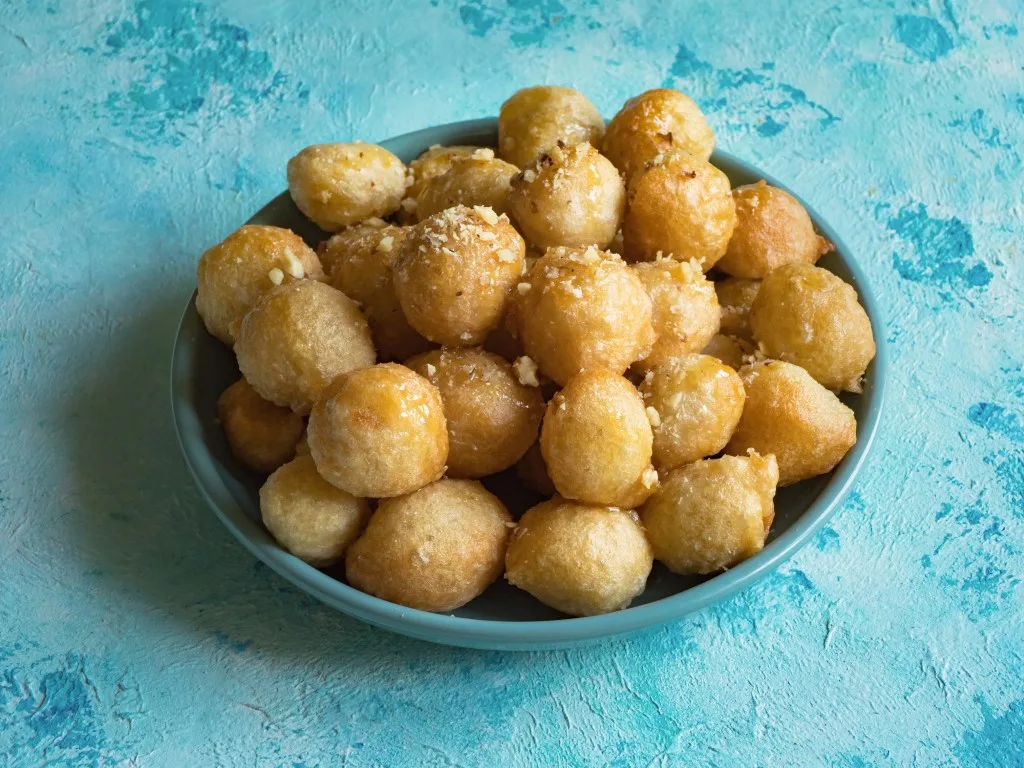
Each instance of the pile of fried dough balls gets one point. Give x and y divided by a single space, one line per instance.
544 308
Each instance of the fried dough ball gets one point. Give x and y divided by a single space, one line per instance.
699 401
596 438
735 295
772 229
236 272
336 185
308 516
492 418
583 309
379 432
480 179
806 315
297 338
686 313
730 350
534 120
712 514
261 435
569 196
789 414
436 161
679 206
579 559
655 122
454 274
533 472
435 549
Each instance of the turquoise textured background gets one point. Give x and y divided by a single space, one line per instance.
135 632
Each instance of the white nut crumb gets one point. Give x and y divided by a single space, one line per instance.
649 478
653 416
677 398
526 371
294 266
484 153
529 176
486 213
385 244
487 236
523 288
276 276
431 369
506 255
409 204
465 335
649 377
510 524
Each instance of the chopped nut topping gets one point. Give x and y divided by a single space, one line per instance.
409 204
386 243
486 213
526 371
431 369
484 153
276 276
529 176
487 236
653 416
649 478
523 288
506 255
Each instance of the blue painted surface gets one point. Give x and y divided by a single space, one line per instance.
134 631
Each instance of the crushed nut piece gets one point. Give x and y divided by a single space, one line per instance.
526 371
649 478
486 213
386 243
653 416
484 153
523 288
506 255
276 276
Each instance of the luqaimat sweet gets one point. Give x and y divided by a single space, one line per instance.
261 435
534 120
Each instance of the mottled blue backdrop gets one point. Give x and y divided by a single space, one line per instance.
135 632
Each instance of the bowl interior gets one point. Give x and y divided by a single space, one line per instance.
203 368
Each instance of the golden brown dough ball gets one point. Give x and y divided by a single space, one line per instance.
480 179
730 350
570 196
533 472
653 123
735 295
454 274
712 514
492 418
379 432
698 400
679 206
337 185
308 516
806 315
772 229
686 313
435 549
536 119
596 438
297 338
236 272
261 435
434 162
579 559
582 309
789 414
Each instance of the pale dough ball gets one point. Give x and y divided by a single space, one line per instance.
435 549
492 418
454 274
336 185
583 309
570 196
596 438
790 415
699 401
735 297
308 516
475 180
379 432
653 123
806 315
261 435
536 119
297 338
434 162
730 350
250 262
685 306
579 559
681 207
772 230
712 514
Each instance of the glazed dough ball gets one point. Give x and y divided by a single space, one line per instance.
533 472
536 119
772 230
789 414
712 514
261 435
730 350
570 196
379 432
596 438
806 315
679 206
435 549
583 309
298 338
454 273
480 179
698 400
579 559
336 185
735 296
435 162
655 122
492 418
235 273
686 313
308 516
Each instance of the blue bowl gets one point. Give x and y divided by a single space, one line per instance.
503 617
